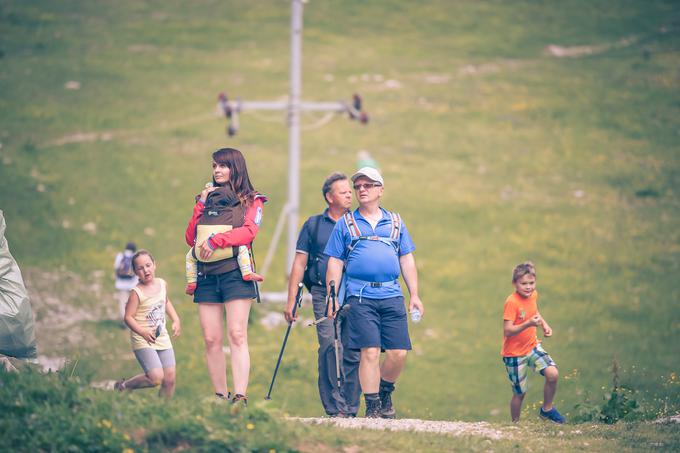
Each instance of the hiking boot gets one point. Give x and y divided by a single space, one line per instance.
253 277
119 385
386 389
239 400
373 408
552 415
220 396
386 408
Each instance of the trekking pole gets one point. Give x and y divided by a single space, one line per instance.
298 303
328 301
323 318
336 342
257 287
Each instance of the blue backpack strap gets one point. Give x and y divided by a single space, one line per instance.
352 228
396 226
356 236
350 221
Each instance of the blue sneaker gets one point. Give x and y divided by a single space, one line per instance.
552 415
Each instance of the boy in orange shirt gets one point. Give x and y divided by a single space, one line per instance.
521 348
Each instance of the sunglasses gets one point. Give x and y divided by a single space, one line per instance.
367 185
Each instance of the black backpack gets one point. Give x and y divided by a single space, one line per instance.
311 275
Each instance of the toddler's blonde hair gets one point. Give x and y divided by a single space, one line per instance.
523 269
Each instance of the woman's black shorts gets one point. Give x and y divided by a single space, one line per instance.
223 288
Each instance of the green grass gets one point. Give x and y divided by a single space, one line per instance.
513 155
60 412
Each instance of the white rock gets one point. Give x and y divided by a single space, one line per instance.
273 319
103 385
90 227
437 78
51 363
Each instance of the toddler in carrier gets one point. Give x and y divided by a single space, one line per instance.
243 257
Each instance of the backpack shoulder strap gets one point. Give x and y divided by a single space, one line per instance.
396 226
313 234
352 227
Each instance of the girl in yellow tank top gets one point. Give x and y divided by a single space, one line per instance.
150 316
145 316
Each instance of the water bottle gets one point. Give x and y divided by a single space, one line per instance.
415 315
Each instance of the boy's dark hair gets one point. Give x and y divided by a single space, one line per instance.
523 269
131 247
332 178
138 254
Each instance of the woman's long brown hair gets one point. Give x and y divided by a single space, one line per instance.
238 173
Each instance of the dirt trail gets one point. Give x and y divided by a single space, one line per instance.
481 429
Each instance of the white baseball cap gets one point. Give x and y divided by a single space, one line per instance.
370 173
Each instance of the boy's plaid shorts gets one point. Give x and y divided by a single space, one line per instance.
518 367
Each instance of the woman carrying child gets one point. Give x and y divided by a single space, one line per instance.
216 230
145 316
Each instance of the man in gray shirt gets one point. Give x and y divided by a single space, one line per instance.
309 266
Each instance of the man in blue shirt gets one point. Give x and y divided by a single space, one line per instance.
373 254
309 255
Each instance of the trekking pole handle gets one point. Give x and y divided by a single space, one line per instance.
298 298
332 295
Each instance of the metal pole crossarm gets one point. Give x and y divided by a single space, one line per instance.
339 107
242 106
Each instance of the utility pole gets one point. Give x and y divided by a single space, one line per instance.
293 106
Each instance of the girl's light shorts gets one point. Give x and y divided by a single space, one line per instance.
150 358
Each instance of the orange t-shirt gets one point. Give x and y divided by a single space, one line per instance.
518 309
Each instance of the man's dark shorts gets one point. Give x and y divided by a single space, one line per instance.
379 323
223 288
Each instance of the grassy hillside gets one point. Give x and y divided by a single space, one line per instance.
494 151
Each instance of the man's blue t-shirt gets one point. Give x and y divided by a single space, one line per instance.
370 261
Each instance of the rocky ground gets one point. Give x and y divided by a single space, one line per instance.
481 429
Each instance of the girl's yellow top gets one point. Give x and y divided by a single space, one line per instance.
151 315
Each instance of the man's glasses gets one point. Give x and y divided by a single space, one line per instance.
367 185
